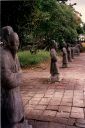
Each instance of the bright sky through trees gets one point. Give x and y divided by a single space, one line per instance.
80 7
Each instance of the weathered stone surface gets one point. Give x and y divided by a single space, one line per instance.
71 121
41 125
71 127
52 107
77 113
12 110
41 107
56 125
66 98
65 109
63 114
61 120
49 113
80 123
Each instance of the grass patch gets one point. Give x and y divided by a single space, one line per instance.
28 59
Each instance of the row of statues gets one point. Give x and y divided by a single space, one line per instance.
68 53
12 112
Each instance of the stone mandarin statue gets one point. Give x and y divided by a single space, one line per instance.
54 70
12 113
69 52
65 56
72 51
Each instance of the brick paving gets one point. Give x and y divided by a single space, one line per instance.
56 105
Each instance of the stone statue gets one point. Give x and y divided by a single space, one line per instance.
65 56
12 113
69 53
80 46
77 50
72 51
54 70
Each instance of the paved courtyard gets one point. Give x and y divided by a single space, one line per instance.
57 105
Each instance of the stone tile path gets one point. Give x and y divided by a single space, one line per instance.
57 105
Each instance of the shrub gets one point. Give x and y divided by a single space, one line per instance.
28 59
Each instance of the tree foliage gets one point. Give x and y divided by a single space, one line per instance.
84 27
55 20
38 20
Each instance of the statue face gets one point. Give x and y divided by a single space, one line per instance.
54 44
14 42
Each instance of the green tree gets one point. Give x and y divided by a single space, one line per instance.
54 20
38 20
84 27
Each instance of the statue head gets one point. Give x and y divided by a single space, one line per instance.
6 31
68 45
10 38
13 42
64 44
54 44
